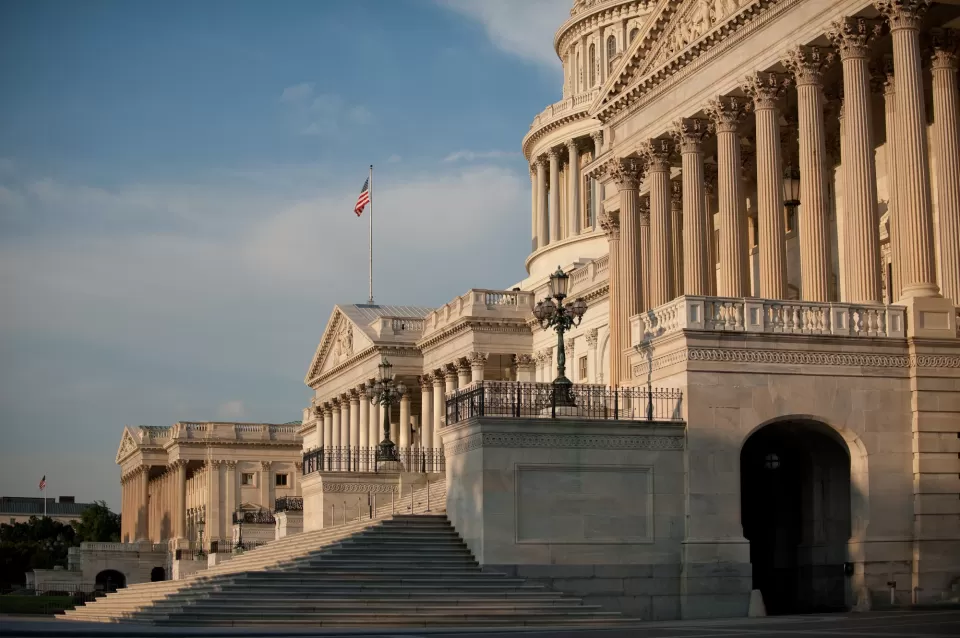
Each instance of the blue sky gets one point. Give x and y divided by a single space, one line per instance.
176 191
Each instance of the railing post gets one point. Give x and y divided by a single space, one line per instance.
616 407
482 398
519 391
553 401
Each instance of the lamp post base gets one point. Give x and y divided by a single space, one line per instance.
563 392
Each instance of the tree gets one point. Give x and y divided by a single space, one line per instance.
98 524
40 543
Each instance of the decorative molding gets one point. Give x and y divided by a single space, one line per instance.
360 488
565 441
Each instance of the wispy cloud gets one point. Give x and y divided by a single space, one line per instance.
393 159
323 113
524 29
472 156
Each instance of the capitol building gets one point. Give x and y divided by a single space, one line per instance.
755 205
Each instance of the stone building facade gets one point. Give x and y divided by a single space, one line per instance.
759 201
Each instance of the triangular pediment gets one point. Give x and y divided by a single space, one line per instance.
341 340
128 444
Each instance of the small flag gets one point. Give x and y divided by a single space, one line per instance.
43 482
364 198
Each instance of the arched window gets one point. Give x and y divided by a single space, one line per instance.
593 65
634 32
611 51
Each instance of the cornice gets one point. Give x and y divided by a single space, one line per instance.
501 326
565 441
576 114
399 350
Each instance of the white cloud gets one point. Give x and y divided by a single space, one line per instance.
297 93
232 411
472 156
525 29
321 114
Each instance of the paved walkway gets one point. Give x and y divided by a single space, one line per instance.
888 624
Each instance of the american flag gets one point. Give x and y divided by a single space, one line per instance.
43 482
363 199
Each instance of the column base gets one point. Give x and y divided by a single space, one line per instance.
930 317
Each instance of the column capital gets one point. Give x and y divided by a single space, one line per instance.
478 358
438 376
265 465
425 381
807 63
766 88
597 137
643 210
450 370
946 48
553 153
355 394
626 172
361 390
334 404
176 465
592 337
231 465
676 195
540 162
462 364
214 463
610 223
854 37
327 408
569 343
573 145
524 361
298 465
689 133
903 14
727 112
657 154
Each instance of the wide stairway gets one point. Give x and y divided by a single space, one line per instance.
403 570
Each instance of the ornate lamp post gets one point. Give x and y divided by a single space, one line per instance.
386 392
560 317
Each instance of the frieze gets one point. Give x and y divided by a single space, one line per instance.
565 441
360 488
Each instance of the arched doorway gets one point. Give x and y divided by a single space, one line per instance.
110 580
795 511
157 574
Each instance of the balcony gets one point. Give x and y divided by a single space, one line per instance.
479 303
191 430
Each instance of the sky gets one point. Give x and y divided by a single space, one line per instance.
177 182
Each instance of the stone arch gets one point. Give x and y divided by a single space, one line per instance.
110 580
157 574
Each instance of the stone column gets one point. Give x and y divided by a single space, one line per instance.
734 278
266 478
807 65
657 154
861 228
890 154
477 362
362 411
439 406
143 518
181 499
946 134
426 409
345 440
231 498
627 173
695 244
327 440
554 156
525 367
767 89
571 364
451 376
573 206
543 220
404 433
676 236
643 208
597 192
592 340
335 440
354 428
534 219
710 179
610 223
214 528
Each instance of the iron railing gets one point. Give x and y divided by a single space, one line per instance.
364 459
547 401
257 516
288 504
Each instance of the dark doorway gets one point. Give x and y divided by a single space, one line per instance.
110 580
157 574
795 511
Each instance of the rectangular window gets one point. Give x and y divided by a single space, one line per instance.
588 203
281 480
583 368
246 478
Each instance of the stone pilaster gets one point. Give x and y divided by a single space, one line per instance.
767 89
554 156
610 223
426 410
543 219
946 134
853 38
573 201
592 339
477 362
733 279
695 246
657 153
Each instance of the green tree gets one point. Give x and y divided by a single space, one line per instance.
39 543
98 524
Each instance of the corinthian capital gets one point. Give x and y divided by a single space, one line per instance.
946 48
727 112
523 361
657 153
592 337
426 382
610 223
626 172
597 137
689 134
853 37
808 64
903 14
766 89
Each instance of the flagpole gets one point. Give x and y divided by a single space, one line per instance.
44 495
371 235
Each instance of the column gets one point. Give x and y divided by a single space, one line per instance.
657 155
807 65
335 440
478 360
214 530
297 478
534 220
426 406
345 421
439 407
569 352
610 223
733 279
266 478
181 499
573 206
676 236
592 338
124 511
543 219
890 153
363 417
861 228
231 500
525 368
710 179
767 89
549 367
450 376
143 527
643 210
355 427
327 440
597 191
554 156
946 135
697 269
403 440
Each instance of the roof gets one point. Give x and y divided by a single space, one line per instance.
363 314
27 506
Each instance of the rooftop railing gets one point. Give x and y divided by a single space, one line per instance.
480 303
364 459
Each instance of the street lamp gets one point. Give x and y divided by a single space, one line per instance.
200 527
386 392
560 317
791 194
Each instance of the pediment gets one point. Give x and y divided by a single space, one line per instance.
341 340
128 444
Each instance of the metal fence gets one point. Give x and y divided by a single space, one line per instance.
257 516
288 504
364 459
547 401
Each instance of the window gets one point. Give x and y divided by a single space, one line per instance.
579 83
246 478
281 480
583 368
634 32
593 65
588 201
611 52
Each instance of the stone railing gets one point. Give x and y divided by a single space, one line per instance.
590 274
142 546
727 314
236 431
480 303
403 327
564 107
154 433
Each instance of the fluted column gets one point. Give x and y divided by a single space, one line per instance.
689 134
890 151
355 399
404 434
143 516
946 132
345 420
709 198
327 440
597 137
767 89
643 210
734 278
214 514
478 360
335 439
861 229
181 498
439 406
426 410
534 220
266 480
676 236
610 223
657 154
543 220
554 156
573 204
626 173
362 410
